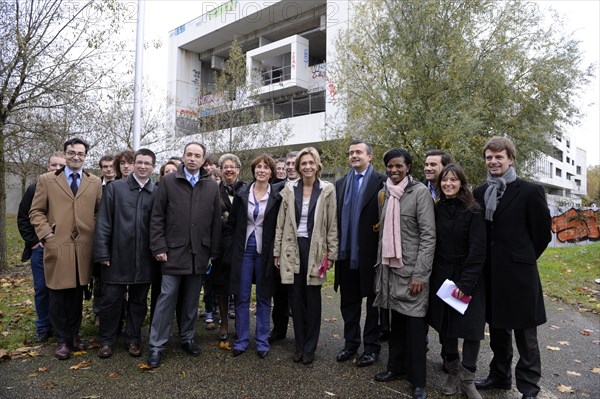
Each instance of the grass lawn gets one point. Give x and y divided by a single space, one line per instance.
567 274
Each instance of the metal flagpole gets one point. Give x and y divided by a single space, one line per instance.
139 60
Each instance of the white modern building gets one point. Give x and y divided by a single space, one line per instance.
564 173
288 45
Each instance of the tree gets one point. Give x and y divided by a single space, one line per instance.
425 74
233 120
593 185
53 53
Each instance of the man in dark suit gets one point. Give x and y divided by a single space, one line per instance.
185 233
281 304
358 215
63 214
34 251
519 223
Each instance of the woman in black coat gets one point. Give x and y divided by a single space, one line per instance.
250 232
459 256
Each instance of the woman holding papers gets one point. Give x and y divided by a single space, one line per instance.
405 258
305 245
459 256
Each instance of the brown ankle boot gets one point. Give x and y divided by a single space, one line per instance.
450 387
466 384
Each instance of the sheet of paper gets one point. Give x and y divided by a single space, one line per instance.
445 294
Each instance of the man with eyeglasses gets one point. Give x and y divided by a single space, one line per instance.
122 248
63 215
34 250
185 234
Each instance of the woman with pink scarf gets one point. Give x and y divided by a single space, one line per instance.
405 257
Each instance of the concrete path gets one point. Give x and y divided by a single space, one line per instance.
569 357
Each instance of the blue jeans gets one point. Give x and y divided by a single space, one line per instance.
42 324
251 265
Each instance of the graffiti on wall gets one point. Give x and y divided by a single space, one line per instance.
319 71
577 225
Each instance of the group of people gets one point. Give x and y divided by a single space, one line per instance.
394 240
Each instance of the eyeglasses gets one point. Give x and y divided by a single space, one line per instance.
140 163
71 154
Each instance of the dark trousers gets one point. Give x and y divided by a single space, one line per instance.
40 291
252 265
280 313
65 309
470 350
407 347
350 306
306 305
529 367
113 299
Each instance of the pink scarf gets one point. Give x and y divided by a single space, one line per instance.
391 240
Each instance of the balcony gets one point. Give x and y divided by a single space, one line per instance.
279 68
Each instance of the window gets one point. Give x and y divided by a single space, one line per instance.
578 171
558 172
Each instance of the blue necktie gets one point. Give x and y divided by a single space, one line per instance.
74 187
193 181
355 188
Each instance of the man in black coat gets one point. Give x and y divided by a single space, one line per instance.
122 249
358 216
518 222
185 234
34 251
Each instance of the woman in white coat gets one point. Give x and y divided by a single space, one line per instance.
305 246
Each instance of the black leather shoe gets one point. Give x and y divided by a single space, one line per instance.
262 354
297 357
154 358
490 383
386 376
367 359
419 393
42 337
308 358
105 352
345 354
190 347
134 349
237 352
62 351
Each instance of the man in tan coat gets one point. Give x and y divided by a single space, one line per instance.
63 215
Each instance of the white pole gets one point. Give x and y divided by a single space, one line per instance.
139 61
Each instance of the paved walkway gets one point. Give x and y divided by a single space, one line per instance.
216 374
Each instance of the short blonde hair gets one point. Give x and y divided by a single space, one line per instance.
312 151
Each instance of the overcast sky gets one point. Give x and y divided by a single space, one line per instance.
581 16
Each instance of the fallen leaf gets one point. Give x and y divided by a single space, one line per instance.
42 369
573 373
596 370
331 320
553 327
81 365
5 333
552 348
144 366
329 393
563 342
577 361
49 385
586 331
79 353
565 389
114 374
337 336
225 345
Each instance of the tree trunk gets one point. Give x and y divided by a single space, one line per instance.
2 200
